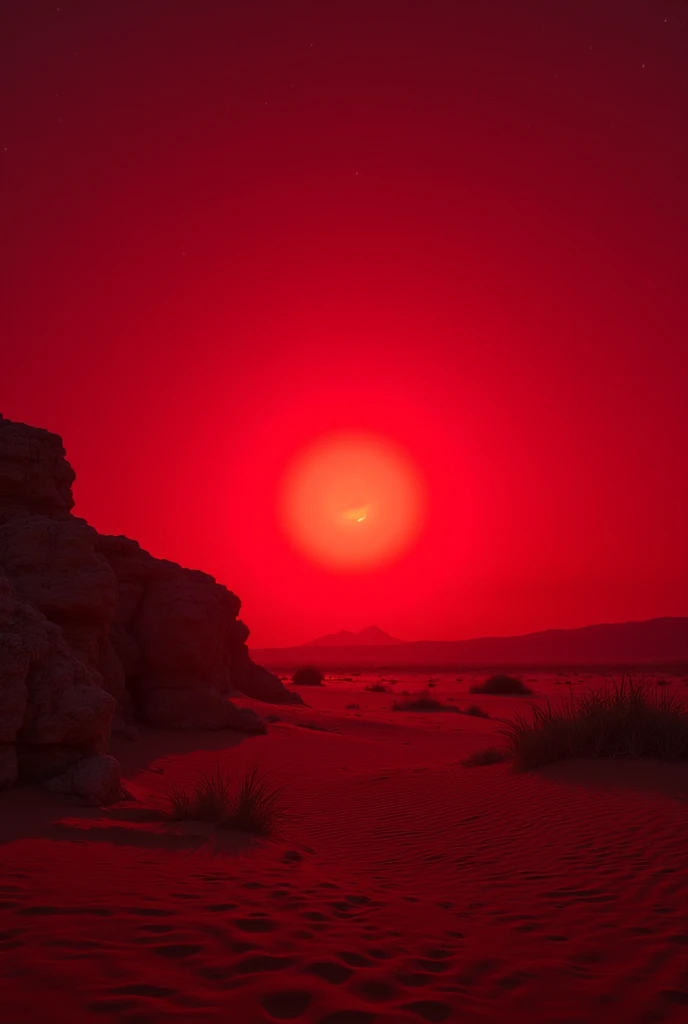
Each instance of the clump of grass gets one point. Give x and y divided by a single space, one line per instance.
629 720
307 675
421 702
377 688
475 711
353 707
256 805
489 755
207 799
251 804
503 685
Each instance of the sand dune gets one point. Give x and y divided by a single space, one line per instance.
404 888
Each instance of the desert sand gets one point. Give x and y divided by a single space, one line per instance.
404 887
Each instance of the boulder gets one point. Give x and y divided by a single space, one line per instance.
53 565
265 686
8 765
96 779
181 627
66 704
37 763
199 709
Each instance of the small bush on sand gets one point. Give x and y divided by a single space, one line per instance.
256 805
207 798
307 675
489 755
421 702
629 720
353 707
377 688
477 712
249 804
508 686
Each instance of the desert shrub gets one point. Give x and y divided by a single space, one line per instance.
421 702
489 755
256 805
377 688
307 675
353 707
206 799
504 685
476 711
249 804
628 720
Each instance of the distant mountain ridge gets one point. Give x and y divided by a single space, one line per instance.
373 636
653 642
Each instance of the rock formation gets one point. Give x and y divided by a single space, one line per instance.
95 632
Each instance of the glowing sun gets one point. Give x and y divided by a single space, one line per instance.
352 501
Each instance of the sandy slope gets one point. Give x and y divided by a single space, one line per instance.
405 888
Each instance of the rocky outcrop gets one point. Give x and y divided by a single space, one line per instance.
34 473
53 708
199 708
94 631
96 779
177 629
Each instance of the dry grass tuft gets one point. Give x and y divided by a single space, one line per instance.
475 711
502 685
421 702
249 804
479 758
629 720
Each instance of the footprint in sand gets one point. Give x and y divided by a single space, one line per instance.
255 924
178 950
354 959
150 991
333 973
430 1010
262 962
150 912
376 990
348 1017
287 1005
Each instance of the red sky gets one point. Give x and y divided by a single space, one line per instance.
235 227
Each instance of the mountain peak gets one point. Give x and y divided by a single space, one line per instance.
372 636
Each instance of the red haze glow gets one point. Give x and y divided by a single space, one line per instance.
352 501
460 229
